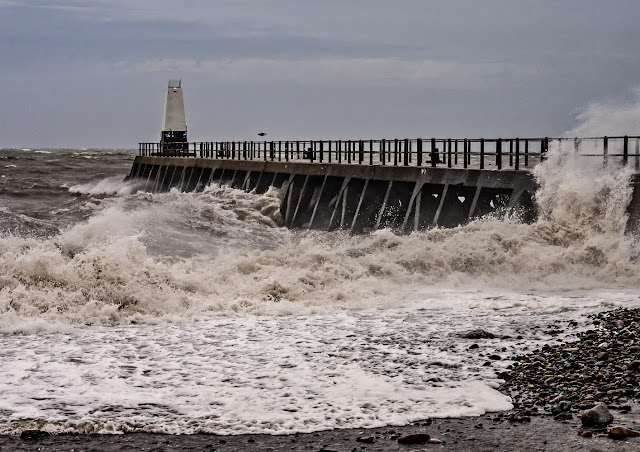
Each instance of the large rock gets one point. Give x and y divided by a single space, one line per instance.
597 416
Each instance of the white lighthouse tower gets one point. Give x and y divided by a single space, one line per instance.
173 140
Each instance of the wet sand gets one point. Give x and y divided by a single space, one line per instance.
485 433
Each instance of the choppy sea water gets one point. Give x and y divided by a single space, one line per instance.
195 312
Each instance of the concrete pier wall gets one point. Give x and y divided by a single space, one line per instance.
352 197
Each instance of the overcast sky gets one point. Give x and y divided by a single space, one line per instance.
94 73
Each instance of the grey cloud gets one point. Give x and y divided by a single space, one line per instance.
309 68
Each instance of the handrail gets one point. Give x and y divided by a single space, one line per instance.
475 153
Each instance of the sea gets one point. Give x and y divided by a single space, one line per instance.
128 311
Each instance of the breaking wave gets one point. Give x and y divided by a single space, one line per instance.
147 258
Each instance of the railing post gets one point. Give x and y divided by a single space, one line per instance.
449 153
361 151
329 150
348 151
406 152
419 152
321 151
499 153
605 152
370 152
510 152
481 153
517 154
526 153
433 152
395 152
455 151
383 146
544 147
637 154
625 150
465 151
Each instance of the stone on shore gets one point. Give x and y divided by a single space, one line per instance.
478 334
416 438
365 439
597 416
618 432
33 434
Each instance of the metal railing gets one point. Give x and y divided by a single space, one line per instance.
477 153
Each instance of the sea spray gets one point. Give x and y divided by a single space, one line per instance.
109 186
609 117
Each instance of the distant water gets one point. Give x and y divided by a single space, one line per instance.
195 312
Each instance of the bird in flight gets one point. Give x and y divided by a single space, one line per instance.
262 134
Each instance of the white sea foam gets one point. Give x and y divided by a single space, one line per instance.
266 374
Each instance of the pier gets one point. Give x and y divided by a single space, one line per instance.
361 185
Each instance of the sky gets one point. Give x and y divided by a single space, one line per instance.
94 73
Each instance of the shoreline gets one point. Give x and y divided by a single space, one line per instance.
550 387
490 432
